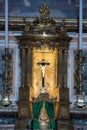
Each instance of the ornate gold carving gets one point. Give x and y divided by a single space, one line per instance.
43 117
44 32
44 38
44 97
44 10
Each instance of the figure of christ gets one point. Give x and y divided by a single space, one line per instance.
43 64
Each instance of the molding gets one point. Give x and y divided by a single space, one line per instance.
18 23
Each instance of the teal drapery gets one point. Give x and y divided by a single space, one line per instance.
36 111
50 110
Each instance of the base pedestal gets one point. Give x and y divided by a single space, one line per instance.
80 101
64 122
64 125
21 124
23 109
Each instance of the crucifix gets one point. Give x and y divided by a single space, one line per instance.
43 64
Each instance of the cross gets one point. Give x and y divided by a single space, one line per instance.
43 64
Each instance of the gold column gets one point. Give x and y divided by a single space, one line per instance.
24 111
65 68
29 66
63 121
60 67
24 61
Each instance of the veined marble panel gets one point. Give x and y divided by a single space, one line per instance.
71 65
16 80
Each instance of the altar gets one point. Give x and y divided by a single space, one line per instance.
43 95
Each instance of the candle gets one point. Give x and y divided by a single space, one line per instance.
80 23
6 23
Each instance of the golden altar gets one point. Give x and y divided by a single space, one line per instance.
44 49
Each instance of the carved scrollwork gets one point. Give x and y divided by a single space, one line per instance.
43 117
44 97
44 32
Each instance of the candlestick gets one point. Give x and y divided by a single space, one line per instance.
6 23
79 60
79 79
80 23
5 97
